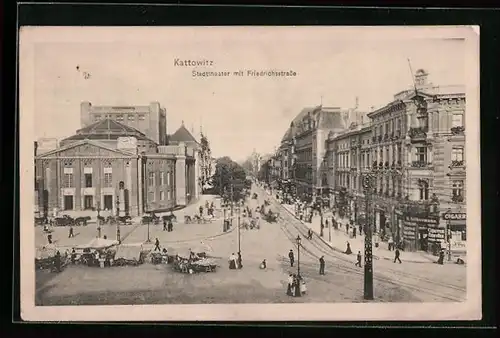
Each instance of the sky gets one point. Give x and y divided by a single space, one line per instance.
135 66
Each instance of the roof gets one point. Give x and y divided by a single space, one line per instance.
106 129
86 142
182 135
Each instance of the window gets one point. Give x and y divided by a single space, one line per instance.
162 195
151 196
457 120
422 154
108 180
169 194
458 188
423 188
142 117
119 117
131 117
168 178
88 180
457 154
162 179
68 180
151 179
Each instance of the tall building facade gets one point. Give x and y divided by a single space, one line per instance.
414 148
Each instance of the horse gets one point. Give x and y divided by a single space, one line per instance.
82 220
171 217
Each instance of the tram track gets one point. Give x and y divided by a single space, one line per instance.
415 282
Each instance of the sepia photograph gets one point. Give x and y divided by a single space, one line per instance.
249 173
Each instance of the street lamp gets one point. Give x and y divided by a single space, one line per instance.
368 273
298 240
98 219
118 219
238 210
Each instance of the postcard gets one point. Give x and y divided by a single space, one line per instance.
249 173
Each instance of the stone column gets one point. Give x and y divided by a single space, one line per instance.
140 188
180 179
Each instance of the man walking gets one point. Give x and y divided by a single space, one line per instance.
157 244
170 225
292 257
396 256
358 262
165 225
201 211
322 265
71 234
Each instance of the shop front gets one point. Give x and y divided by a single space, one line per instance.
422 233
456 233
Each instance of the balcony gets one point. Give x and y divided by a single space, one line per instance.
457 198
420 164
417 134
381 165
386 164
456 163
374 165
457 130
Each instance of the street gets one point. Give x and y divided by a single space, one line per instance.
150 284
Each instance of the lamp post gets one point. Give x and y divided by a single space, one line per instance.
368 273
238 210
98 219
298 240
118 219
148 240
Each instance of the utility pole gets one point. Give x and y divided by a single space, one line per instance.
368 273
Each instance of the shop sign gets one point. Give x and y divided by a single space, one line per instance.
455 216
436 235
409 230
458 245
422 220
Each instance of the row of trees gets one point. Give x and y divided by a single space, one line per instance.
206 161
230 180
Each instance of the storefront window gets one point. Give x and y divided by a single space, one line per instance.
457 188
423 188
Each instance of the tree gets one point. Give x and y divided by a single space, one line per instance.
205 155
229 174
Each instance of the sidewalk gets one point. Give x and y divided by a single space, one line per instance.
339 239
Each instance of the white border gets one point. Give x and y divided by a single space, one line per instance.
468 310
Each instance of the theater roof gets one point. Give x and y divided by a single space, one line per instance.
181 135
107 129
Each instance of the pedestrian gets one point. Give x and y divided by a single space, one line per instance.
292 257
321 230
240 264
353 232
49 238
360 229
57 261
170 225
396 256
390 243
303 287
201 211
326 223
71 234
263 265
157 244
347 228
441 257
289 287
165 225
348 250
73 256
358 261
296 286
322 265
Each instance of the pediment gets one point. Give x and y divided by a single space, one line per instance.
86 148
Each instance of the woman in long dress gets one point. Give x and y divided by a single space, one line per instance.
290 283
232 261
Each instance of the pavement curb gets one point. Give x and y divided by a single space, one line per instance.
340 250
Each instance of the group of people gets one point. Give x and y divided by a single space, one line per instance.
296 286
168 226
235 261
210 207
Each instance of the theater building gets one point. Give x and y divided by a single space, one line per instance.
108 165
